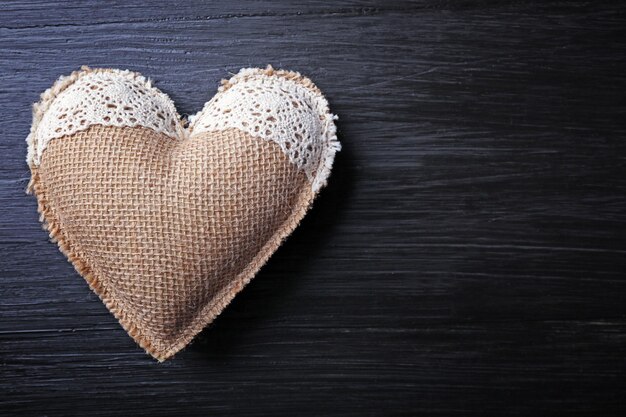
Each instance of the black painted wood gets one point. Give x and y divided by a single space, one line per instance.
468 256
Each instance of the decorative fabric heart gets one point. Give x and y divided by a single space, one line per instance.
167 223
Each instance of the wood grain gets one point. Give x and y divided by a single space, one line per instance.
468 256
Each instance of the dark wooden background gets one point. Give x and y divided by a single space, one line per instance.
468 257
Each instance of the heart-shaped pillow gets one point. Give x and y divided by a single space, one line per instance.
167 223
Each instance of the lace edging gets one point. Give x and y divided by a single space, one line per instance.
281 106
108 97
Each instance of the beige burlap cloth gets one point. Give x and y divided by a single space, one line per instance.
167 231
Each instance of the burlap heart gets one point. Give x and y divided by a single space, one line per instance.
165 222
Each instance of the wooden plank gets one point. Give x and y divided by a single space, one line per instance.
468 256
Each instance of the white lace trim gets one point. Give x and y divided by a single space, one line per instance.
106 97
288 111
280 106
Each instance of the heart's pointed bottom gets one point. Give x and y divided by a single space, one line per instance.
158 347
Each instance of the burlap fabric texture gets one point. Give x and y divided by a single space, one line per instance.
168 223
